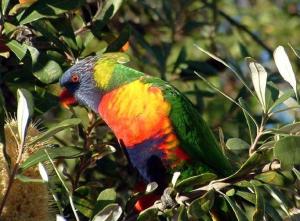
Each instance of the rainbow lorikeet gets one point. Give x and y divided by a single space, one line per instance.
159 127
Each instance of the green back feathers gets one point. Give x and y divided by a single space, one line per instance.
195 136
110 73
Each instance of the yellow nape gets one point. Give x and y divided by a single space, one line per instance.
104 67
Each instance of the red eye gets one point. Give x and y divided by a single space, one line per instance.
75 78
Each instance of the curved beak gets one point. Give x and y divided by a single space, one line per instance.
66 98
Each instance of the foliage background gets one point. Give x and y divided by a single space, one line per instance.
40 39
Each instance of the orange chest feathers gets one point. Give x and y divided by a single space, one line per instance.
137 112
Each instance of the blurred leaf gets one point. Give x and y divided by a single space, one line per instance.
117 44
237 144
105 198
41 156
24 113
109 9
195 181
243 50
238 75
259 204
48 8
18 49
180 59
202 205
4 5
111 212
287 150
93 45
149 214
55 129
285 68
240 215
259 80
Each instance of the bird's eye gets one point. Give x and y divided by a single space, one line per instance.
75 78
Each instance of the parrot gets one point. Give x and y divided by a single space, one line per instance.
158 126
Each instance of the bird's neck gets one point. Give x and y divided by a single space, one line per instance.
90 98
115 76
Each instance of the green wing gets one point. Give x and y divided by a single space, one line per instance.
195 136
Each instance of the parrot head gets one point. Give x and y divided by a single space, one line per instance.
86 81
79 86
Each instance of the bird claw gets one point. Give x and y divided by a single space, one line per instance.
167 200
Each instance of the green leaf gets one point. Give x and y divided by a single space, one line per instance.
279 197
258 158
105 198
285 68
27 179
293 128
297 173
272 93
239 213
182 216
250 197
45 69
276 178
259 204
48 8
249 120
111 212
259 80
41 156
149 214
4 5
53 130
83 200
93 45
237 144
287 150
202 205
24 112
18 49
195 181
286 95
43 172
272 212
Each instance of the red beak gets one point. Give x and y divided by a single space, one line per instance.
66 98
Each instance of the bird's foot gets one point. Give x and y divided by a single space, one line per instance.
167 200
